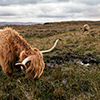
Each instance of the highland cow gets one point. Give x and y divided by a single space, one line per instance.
85 28
16 52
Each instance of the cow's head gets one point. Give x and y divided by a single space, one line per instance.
34 63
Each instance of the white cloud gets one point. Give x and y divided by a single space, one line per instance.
45 11
88 2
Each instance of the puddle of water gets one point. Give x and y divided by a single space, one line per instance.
68 57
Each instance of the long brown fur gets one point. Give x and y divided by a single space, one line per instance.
37 63
86 27
14 48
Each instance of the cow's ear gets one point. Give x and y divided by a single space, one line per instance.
22 56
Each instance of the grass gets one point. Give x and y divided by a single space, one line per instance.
63 78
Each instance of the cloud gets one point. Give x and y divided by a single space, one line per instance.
87 2
17 2
25 2
49 10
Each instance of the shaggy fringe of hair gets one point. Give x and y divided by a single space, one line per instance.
37 65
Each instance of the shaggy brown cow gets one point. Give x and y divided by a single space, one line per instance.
85 28
14 49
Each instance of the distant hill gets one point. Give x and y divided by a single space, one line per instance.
17 23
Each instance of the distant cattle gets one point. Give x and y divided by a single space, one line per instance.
85 28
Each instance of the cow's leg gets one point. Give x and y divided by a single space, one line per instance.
8 71
7 68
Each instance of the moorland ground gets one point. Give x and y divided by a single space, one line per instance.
64 78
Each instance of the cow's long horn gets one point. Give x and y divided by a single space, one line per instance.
24 62
45 51
27 60
22 65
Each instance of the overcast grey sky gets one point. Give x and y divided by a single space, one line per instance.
49 10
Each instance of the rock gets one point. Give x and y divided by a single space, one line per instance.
64 81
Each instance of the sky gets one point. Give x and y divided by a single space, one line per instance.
49 10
